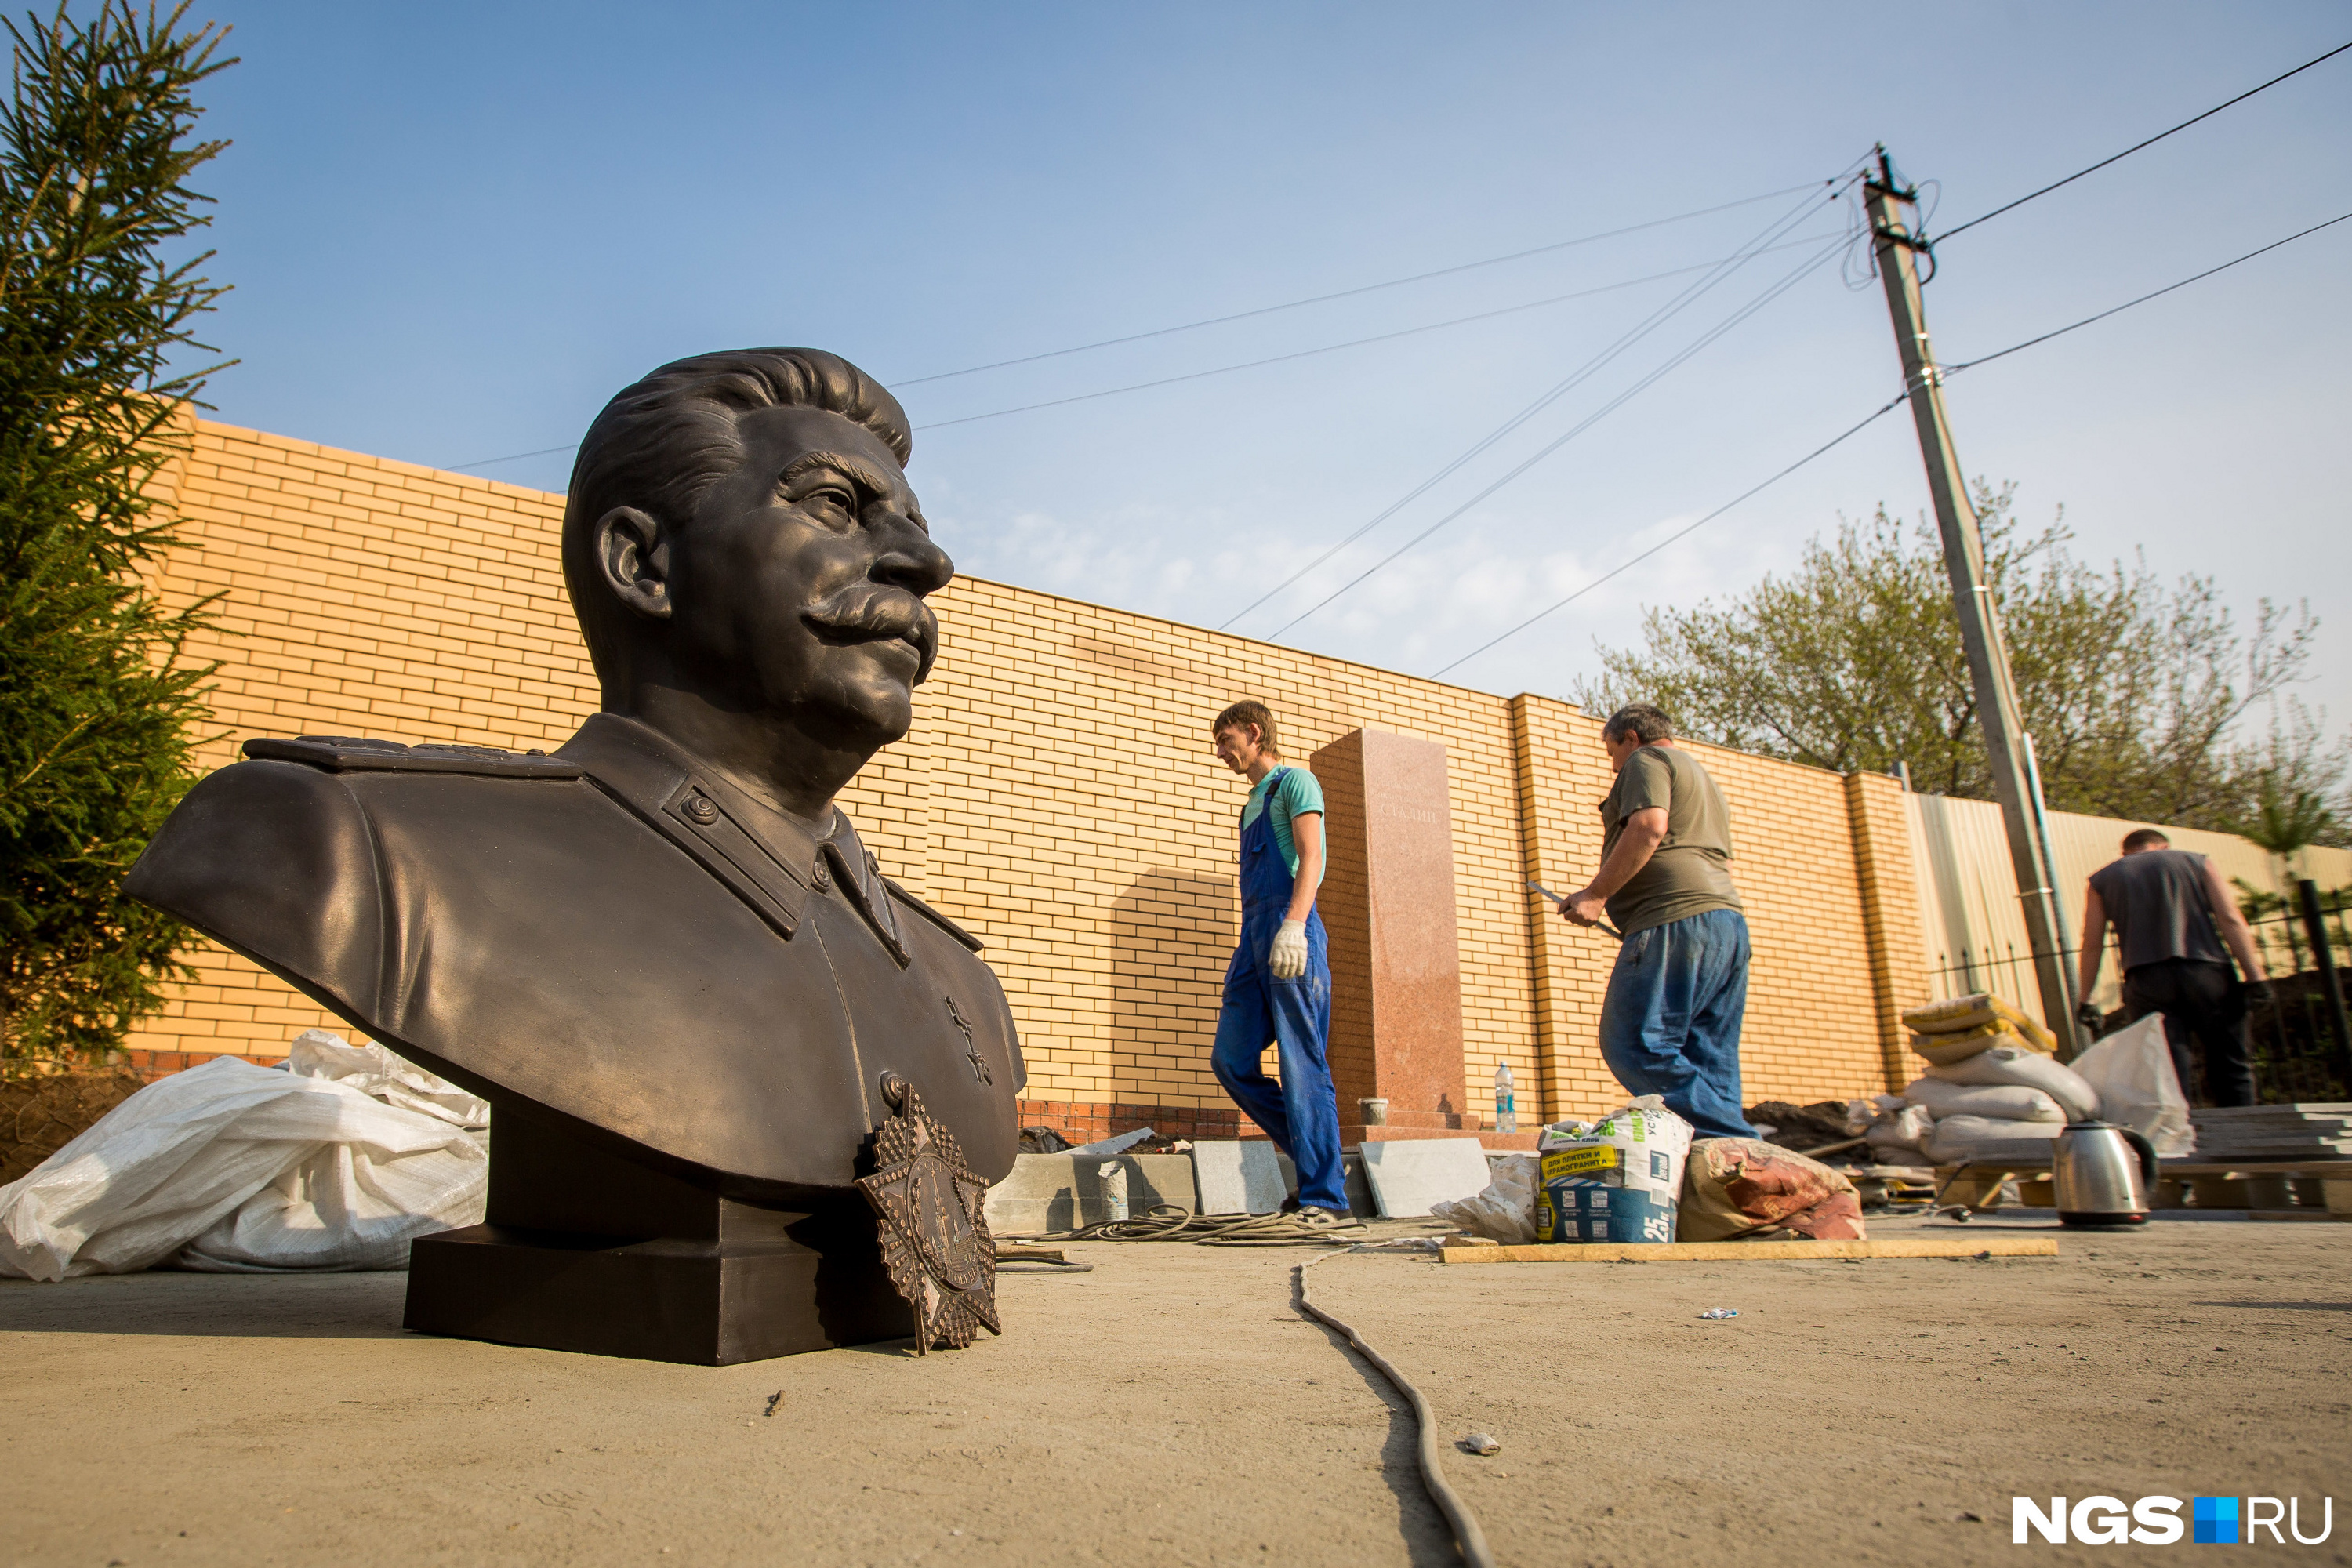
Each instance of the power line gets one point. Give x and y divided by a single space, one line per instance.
511 458
1774 292
1949 369
2137 146
1351 344
1350 293
1656 319
1276 358
1851 431
2144 299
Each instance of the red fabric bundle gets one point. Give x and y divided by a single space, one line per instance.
1736 1188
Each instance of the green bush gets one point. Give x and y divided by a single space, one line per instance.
100 707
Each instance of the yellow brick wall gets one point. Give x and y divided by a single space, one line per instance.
1058 796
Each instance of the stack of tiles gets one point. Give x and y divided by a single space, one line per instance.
2273 1133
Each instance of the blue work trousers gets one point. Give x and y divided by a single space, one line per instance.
1301 1113
1671 1025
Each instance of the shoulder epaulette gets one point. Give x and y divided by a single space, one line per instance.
352 753
933 915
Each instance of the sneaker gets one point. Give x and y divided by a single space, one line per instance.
1289 1204
1322 1218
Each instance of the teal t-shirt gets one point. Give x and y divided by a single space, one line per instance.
1294 793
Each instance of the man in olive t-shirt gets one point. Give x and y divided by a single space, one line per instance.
1671 1024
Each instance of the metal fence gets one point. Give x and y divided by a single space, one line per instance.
2299 1043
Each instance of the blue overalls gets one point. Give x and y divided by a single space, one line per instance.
1301 1113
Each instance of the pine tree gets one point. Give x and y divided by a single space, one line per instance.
100 704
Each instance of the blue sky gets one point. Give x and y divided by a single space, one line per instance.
454 231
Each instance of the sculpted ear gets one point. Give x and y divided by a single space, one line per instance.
632 557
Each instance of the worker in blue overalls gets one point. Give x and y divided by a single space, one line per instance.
1278 985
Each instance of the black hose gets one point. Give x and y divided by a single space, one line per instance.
1466 1533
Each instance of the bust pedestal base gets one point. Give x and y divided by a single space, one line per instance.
585 1250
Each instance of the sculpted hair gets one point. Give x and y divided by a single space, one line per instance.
1248 712
663 442
1639 720
2140 839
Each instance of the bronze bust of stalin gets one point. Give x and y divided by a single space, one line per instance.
661 951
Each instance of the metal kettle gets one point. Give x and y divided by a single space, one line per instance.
2103 1173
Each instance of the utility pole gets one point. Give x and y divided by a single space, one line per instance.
2007 749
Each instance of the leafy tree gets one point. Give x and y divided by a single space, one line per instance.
99 702
2134 692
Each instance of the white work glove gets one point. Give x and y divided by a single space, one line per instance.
1288 957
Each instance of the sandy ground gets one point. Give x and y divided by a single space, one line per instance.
1171 1407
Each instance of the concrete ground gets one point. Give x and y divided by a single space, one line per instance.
1171 1407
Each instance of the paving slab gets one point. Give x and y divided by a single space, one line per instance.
1241 1175
1407 1176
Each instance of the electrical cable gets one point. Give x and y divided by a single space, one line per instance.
2094 168
1256 364
1350 293
511 458
1703 340
1458 1517
2144 299
1949 370
1351 344
1560 389
1839 439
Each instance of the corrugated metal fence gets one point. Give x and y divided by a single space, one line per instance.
1975 934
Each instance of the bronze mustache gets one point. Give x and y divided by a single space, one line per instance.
873 611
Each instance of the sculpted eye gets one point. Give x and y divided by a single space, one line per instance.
831 500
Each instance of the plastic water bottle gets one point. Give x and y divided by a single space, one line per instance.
1506 1111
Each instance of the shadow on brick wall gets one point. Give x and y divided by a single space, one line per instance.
1171 934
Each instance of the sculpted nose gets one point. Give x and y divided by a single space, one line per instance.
913 562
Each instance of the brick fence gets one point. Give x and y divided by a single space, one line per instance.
368 597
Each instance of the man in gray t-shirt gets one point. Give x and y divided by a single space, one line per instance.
2177 925
1679 991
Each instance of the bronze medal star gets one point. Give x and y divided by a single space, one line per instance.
935 1240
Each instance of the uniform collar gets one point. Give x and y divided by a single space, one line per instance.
773 861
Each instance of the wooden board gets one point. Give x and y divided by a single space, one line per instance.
1757 1251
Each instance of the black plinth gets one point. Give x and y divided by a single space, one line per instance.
584 1249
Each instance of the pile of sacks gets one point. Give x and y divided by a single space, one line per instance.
1991 1083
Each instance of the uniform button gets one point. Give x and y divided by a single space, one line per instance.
823 877
699 810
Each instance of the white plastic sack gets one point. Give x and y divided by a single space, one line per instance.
1505 1211
1861 1115
234 1166
2131 1071
378 1074
2027 1070
1899 1136
1995 1102
1959 1138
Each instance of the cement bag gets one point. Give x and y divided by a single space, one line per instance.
1940 1048
1962 1014
1618 1179
234 1166
2138 1088
2026 1069
1743 1187
1998 1101
1957 1139
1505 1211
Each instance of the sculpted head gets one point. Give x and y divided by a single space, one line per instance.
740 543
